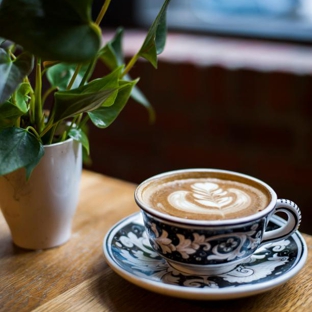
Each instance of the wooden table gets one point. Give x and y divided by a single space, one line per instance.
75 276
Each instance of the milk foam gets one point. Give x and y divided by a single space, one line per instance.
207 198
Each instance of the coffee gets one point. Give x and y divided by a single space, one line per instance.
206 196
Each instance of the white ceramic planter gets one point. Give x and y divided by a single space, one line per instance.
39 211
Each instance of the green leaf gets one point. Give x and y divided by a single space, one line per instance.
32 165
99 92
138 96
51 29
18 148
21 97
60 75
69 105
155 40
80 136
9 113
105 116
111 54
12 73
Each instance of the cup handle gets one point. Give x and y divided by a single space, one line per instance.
293 220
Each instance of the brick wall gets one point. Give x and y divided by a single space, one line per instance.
213 116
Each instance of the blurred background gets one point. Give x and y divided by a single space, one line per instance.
233 90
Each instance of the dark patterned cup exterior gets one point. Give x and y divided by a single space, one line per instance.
215 244
204 245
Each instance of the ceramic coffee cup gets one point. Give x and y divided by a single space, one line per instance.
210 220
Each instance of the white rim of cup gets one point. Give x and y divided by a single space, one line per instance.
174 219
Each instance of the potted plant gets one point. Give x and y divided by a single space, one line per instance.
42 130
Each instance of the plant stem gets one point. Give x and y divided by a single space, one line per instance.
18 122
32 105
130 64
33 131
38 100
49 125
78 120
63 137
11 53
50 141
46 94
73 78
98 21
86 74
102 12
84 121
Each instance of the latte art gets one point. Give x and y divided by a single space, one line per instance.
209 198
206 198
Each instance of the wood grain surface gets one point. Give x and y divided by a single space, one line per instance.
75 276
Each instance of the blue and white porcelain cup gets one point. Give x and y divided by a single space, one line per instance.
209 221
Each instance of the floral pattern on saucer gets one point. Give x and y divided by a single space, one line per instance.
128 251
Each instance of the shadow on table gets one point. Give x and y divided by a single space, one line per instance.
7 246
118 294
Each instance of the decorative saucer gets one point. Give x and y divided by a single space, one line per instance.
128 252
